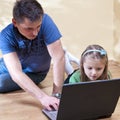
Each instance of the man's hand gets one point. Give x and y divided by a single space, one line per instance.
50 102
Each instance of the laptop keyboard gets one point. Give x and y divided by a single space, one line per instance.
53 114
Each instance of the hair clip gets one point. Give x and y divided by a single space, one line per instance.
103 52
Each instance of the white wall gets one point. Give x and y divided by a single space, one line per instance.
81 22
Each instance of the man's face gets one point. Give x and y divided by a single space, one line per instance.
27 28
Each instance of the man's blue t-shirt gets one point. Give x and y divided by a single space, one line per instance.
33 54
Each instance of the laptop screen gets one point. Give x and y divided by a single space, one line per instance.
88 100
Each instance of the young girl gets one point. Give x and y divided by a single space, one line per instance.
93 66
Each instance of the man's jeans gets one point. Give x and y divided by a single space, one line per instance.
8 85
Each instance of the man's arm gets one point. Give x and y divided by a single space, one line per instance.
14 67
56 51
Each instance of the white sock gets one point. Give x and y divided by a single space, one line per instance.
68 59
73 58
68 67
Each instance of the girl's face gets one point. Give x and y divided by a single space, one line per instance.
93 68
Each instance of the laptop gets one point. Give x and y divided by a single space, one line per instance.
87 100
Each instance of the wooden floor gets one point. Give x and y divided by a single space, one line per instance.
21 106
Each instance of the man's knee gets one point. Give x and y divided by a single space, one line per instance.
7 84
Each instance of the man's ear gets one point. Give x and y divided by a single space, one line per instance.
14 22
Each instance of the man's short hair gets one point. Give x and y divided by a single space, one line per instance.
30 9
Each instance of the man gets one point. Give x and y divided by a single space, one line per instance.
28 44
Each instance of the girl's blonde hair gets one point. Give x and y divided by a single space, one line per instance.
95 52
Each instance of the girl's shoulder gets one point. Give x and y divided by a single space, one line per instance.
75 77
